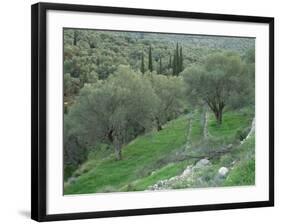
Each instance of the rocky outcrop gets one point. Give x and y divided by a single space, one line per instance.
186 174
193 175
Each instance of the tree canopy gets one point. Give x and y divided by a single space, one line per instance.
217 82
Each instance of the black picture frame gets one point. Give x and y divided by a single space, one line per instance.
39 107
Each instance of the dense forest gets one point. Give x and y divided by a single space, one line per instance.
145 110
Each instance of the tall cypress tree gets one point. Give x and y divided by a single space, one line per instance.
150 66
170 62
160 65
75 37
175 64
180 60
142 64
176 61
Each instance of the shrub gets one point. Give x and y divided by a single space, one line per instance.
241 134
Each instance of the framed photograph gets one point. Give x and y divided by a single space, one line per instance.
140 111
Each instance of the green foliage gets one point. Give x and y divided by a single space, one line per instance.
142 158
71 85
118 109
124 92
170 93
181 68
142 64
160 66
219 137
241 134
70 88
101 52
177 60
249 56
144 151
115 110
196 133
170 62
218 82
233 122
150 63
68 170
246 151
242 174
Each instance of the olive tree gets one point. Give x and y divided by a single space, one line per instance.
170 93
216 82
115 110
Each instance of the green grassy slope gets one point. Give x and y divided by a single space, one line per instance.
166 172
140 158
232 122
151 157
243 172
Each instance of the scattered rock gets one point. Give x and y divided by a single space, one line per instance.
173 178
201 163
187 171
187 176
223 171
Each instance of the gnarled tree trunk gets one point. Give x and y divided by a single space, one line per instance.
218 115
217 107
118 153
158 123
117 148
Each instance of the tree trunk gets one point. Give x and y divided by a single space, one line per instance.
159 127
117 148
118 152
218 115
217 108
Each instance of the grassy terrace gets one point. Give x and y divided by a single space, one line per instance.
142 164
232 122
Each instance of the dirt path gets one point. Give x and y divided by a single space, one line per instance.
205 124
189 128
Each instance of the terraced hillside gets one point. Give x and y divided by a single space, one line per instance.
178 156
